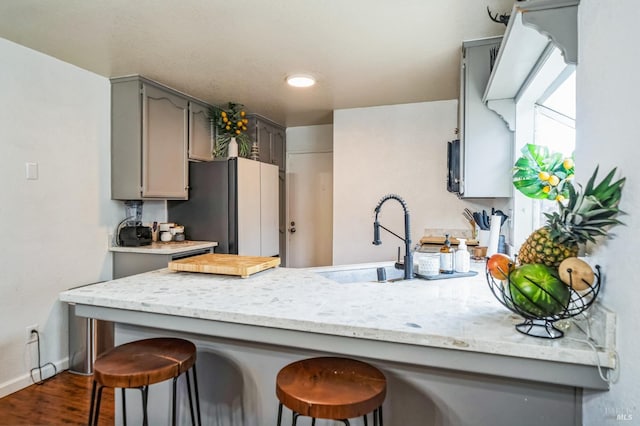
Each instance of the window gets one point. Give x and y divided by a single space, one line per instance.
545 115
555 128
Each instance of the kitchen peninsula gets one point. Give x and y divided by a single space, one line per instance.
449 350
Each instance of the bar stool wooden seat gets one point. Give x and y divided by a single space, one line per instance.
142 363
331 388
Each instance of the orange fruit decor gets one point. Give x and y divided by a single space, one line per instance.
499 266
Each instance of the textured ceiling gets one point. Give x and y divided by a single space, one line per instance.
363 52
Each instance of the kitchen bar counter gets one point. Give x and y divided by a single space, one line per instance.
169 247
455 323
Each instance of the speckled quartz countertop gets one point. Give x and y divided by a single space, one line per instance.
454 315
169 247
458 314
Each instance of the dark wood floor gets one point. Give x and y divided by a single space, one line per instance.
61 400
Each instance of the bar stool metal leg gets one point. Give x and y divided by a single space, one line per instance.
97 414
195 385
193 416
145 397
124 408
279 413
366 423
93 399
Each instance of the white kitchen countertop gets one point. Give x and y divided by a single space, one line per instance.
169 247
459 314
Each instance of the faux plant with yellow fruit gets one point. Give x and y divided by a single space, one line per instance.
542 174
582 215
228 123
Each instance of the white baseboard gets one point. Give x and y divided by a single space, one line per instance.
24 381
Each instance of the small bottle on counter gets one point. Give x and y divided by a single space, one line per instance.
462 257
446 257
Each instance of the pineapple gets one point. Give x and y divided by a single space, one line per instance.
585 216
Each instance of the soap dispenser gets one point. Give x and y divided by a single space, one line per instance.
446 257
462 257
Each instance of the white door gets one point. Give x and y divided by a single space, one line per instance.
310 209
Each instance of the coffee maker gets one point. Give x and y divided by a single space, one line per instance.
130 231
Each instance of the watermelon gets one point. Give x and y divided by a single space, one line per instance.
536 290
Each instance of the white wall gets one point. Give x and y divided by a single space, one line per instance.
399 149
54 229
608 132
310 139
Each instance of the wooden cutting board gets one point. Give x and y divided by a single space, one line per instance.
224 264
440 240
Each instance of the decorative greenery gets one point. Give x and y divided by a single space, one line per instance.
543 175
228 123
586 214
589 212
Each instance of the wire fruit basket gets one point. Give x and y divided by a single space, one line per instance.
538 325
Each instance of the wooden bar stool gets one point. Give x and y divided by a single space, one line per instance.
142 363
331 388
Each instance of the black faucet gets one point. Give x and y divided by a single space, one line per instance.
408 258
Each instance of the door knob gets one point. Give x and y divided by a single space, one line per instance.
292 230
293 227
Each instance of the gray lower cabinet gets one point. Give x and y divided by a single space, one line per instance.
133 263
154 131
486 156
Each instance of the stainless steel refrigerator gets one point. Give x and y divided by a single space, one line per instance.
233 202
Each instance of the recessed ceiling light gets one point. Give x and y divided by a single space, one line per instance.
301 80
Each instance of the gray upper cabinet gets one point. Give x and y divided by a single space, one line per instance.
164 144
154 130
486 156
271 139
200 133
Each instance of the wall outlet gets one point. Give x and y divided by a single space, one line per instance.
29 336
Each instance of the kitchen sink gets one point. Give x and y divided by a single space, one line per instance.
367 274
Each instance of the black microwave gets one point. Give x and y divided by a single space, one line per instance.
453 166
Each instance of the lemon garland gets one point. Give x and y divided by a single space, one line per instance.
543 175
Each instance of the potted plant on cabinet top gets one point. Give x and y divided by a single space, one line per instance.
231 126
